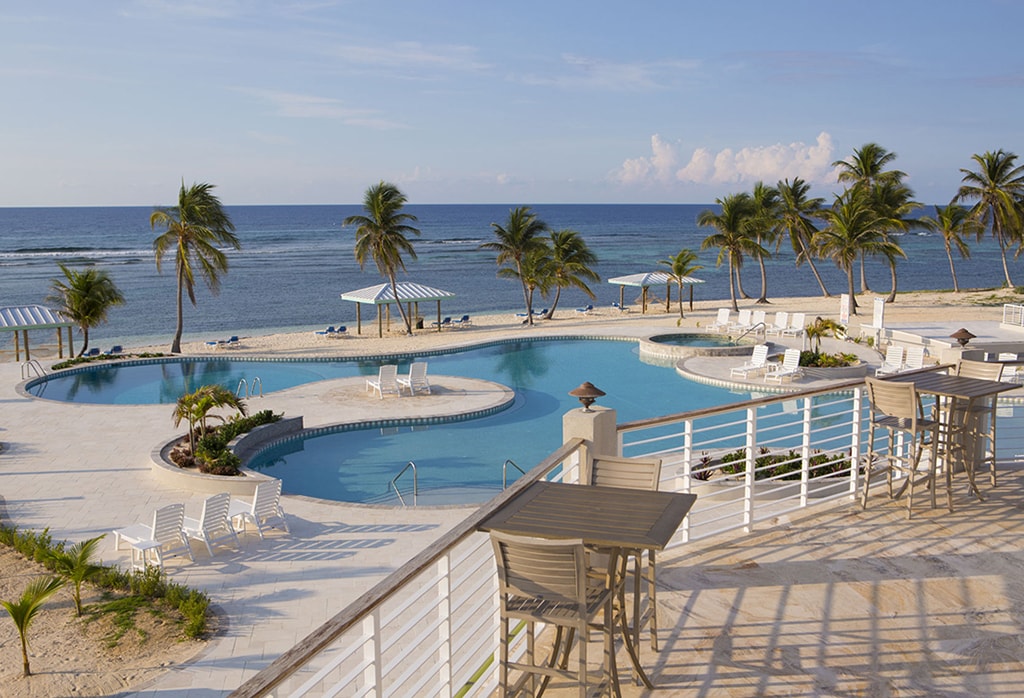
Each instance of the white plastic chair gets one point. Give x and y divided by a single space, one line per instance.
1011 372
213 527
796 325
742 323
758 362
893 361
781 323
385 382
417 378
759 321
164 538
789 368
721 323
913 358
265 510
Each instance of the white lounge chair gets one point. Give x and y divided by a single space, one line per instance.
152 543
781 323
893 361
265 510
759 321
385 382
213 527
757 363
721 323
417 378
788 369
913 358
1011 372
796 325
742 323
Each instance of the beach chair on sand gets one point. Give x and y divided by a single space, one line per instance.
463 321
585 310
788 369
417 378
721 323
447 322
757 364
152 543
620 308
893 362
264 512
213 527
385 382
114 350
326 333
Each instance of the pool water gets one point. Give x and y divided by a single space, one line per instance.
458 462
694 340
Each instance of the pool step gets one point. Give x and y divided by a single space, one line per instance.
439 496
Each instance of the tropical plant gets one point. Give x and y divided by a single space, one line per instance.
821 328
195 408
953 222
571 264
537 273
381 236
997 188
195 229
731 239
75 565
680 266
25 609
892 201
795 213
851 230
84 297
515 240
763 225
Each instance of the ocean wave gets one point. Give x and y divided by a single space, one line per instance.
62 252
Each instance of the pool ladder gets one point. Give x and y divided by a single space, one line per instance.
246 390
32 367
504 472
415 483
753 329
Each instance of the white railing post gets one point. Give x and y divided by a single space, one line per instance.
687 471
444 626
805 452
372 677
855 439
748 478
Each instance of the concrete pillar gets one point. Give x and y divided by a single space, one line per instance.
597 428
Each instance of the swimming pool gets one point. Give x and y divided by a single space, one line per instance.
458 462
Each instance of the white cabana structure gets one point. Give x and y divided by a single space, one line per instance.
653 278
22 318
381 295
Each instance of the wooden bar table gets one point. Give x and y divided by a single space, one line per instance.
952 389
602 517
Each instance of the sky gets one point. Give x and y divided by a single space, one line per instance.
117 102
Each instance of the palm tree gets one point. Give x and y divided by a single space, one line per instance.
537 272
763 226
195 229
865 169
24 610
795 213
953 223
821 328
84 297
851 231
520 236
76 566
381 235
731 240
681 265
571 262
893 203
195 408
998 188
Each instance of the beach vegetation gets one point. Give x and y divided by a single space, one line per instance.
75 565
79 360
796 213
84 297
784 465
195 229
893 202
821 328
818 359
27 607
997 188
210 453
680 266
763 226
521 235
197 407
954 223
382 235
572 263
536 271
851 231
732 239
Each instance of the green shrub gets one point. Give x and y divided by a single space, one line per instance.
784 466
820 360
212 455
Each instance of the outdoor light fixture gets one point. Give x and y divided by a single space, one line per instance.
587 394
963 336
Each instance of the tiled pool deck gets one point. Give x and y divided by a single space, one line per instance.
835 602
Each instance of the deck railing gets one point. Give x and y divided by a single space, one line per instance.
1013 314
431 627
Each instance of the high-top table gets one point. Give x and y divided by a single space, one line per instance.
602 517
953 389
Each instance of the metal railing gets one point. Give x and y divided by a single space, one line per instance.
415 483
431 627
504 472
244 389
32 368
1013 314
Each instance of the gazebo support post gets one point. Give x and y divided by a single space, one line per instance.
691 296
668 298
24 334
17 347
622 294
643 301
359 318
439 316
380 323
60 344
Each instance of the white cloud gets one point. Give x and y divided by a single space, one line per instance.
585 72
298 106
747 165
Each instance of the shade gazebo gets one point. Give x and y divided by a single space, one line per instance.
653 278
22 318
382 295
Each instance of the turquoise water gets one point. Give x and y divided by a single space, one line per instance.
694 340
465 458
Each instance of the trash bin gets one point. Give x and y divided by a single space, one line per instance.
419 323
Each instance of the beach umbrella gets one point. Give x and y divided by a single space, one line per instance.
382 295
652 278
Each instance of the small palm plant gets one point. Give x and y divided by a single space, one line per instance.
821 328
75 565
195 408
24 610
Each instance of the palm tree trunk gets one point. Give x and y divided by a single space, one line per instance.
176 343
554 304
892 275
952 269
85 340
732 289
681 301
401 309
863 277
1006 269
853 298
739 284
817 276
527 296
764 282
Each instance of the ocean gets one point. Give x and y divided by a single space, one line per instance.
296 261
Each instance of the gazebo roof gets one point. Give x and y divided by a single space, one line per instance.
651 278
30 317
407 292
